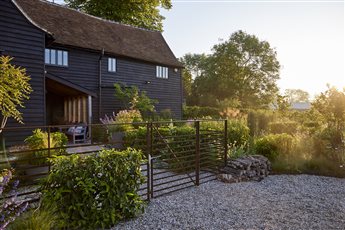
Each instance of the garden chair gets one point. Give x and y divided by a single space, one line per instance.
78 133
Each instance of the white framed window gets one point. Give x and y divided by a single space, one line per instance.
162 72
111 64
56 57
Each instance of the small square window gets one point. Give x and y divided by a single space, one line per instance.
162 72
111 64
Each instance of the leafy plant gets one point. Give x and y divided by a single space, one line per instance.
132 99
236 151
165 115
95 191
10 208
122 121
14 89
39 143
273 145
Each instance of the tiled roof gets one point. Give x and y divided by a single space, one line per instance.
73 28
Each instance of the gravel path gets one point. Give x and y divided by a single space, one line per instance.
277 202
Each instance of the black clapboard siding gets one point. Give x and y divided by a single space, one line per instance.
23 41
83 69
132 72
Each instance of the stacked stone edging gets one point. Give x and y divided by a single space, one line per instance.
254 167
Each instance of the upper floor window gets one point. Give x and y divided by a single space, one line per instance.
111 64
162 72
56 57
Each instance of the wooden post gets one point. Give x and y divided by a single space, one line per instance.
225 142
197 153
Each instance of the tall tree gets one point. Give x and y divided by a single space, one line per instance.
194 66
143 13
14 89
296 95
242 68
331 105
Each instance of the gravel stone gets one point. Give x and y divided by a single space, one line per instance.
277 202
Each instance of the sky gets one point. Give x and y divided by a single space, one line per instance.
308 36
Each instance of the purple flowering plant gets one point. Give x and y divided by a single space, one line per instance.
10 207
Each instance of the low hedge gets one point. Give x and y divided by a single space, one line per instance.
273 145
95 191
195 112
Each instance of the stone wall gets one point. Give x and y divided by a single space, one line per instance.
254 167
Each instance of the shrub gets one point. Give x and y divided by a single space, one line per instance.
273 145
289 127
95 191
195 112
39 142
136 138
236 151
179 139
165 115
238 132
121 122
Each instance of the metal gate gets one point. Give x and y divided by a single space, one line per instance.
187 158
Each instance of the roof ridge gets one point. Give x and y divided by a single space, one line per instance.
99 18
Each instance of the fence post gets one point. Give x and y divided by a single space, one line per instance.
49 148
225 142
148 157
151 160
197 153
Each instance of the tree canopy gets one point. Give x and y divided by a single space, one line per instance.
331 105
144 13
296 95
14 89
242 70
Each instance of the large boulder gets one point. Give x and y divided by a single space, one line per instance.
248 168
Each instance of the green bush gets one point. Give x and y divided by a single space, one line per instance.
39 142
95 191
238 133
289 127
195 112
179 141
121 121
273 145
165 115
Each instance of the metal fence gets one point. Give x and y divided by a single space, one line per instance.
179 154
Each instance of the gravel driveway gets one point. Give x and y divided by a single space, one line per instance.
277 202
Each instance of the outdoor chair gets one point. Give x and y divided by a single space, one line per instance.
78 133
